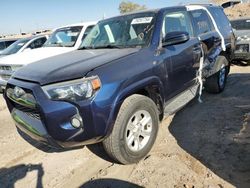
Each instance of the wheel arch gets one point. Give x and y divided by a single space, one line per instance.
151 87
218 62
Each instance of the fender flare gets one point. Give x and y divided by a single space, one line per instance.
218 63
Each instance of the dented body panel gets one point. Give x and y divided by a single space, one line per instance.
164 73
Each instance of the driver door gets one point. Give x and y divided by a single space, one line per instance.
184 58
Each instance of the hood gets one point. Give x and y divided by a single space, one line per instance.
31 56
242 33
70 66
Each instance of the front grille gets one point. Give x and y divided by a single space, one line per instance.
5 68
34 113
242 48
29 108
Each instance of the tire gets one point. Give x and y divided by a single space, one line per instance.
122 144
217 82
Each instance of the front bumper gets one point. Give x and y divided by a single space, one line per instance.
50 121
243 56
32 128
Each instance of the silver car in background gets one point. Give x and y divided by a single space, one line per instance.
242 32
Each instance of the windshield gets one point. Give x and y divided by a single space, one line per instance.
64 37
15 47
121 32
241 24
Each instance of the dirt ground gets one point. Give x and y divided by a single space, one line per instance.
203 145
237 11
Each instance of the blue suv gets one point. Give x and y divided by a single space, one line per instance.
130 71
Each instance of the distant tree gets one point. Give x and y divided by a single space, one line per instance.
128 6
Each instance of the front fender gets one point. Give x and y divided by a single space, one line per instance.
127 91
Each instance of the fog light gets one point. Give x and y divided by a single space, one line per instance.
76 121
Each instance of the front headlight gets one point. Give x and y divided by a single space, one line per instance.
76 90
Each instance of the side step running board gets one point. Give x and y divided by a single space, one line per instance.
181 100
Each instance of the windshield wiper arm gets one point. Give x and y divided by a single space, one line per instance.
86 48
110 46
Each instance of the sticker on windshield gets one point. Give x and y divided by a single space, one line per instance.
72 34
20 44
248 21
142 20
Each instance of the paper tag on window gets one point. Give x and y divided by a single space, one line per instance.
141 20
72 34
248 21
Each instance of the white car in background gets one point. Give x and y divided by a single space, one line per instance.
24 44
62 40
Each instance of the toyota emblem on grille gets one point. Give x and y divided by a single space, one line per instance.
18 92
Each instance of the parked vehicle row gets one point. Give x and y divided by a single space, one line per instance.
62 40
24 44
242 32
128 73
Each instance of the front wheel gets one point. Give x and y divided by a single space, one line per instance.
217 82
135 130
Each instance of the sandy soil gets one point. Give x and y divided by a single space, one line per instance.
237 11
203 145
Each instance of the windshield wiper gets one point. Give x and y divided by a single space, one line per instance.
109 46
54 45
86 48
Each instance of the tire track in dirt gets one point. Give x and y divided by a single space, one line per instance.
169 164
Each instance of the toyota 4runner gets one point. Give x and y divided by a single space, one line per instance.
129 72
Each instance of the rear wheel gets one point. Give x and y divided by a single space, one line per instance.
217 82
135 130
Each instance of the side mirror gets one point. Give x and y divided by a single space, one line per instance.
176 37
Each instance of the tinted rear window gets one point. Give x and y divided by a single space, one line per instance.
2 45
241 24
202 21
220 19
8 43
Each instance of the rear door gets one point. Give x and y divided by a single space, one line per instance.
223 25
184 64
205 31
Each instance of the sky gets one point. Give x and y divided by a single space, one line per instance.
29 15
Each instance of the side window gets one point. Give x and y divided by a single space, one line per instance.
37 43
221 19
2 45
202 21
177 21
87 31
8 43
